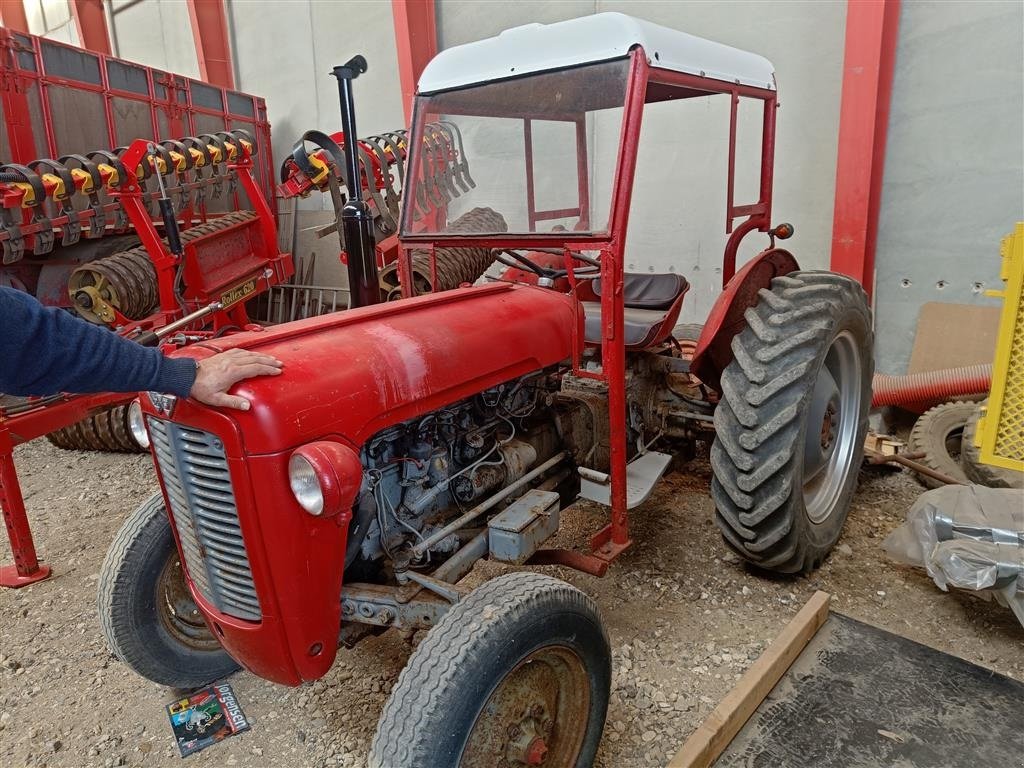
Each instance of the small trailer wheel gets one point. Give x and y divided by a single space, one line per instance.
790 426
517 673
146 611
938 434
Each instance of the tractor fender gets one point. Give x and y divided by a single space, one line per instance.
714 347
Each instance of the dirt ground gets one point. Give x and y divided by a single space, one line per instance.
685 619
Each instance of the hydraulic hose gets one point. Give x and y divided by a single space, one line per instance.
919 389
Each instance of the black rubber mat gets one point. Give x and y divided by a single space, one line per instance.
861 697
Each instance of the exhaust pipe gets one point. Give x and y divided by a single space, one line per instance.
356 221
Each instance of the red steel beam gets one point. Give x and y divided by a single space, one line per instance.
210 32
91 22
12 15
416 41
871 31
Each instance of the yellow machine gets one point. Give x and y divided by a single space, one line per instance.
1000 435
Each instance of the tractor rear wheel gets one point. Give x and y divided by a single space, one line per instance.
517 673
146 611
790 427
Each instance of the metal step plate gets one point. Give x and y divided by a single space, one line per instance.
642 474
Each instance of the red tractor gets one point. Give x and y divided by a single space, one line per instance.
408 439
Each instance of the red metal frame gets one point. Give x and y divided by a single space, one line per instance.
167 94
12 15
213 49
415 42
871 34
91 22
20 429
645 83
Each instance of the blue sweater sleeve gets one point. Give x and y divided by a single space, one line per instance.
45 350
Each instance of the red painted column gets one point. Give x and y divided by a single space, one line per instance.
871 30
92 25
210 32
12 15
416 41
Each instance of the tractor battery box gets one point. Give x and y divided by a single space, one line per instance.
518 532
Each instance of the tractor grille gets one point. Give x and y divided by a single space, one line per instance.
195 472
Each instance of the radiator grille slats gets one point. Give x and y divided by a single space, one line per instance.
195 471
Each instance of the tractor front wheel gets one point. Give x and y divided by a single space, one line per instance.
146 611
790 427
516 673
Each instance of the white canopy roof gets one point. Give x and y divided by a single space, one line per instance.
603 36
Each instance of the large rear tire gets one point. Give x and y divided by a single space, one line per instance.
792 419
518 672
146 611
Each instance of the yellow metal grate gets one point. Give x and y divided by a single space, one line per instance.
1001 430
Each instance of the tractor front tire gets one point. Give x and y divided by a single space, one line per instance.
938 433
518 672
146 611
790 426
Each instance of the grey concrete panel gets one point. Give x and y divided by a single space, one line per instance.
954 173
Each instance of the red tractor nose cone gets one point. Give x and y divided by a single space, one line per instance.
536 752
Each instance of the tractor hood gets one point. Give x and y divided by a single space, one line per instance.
353 373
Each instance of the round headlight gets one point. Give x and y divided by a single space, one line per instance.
137 425
305 484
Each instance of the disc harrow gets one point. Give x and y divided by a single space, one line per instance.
454 266
127 281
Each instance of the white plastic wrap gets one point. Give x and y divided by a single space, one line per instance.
968 537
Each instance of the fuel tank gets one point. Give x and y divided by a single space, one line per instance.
353 373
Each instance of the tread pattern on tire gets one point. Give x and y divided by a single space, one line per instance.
418 693
929 436
116 617
974 468
758 427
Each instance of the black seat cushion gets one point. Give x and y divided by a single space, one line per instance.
641 326
654 291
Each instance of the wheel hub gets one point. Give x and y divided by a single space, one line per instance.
178 612
536 715
527 739
828 426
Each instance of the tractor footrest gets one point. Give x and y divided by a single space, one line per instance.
642 474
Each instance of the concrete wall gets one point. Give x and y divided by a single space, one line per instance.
954 173
677 221
285 53
156 33
51 18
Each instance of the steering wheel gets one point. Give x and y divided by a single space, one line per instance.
516 260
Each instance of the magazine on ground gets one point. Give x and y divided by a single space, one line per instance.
206 717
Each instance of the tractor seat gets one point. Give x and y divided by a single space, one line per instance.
649 291
652 309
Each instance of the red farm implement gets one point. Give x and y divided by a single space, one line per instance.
81 228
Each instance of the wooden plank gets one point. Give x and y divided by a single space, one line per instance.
714 734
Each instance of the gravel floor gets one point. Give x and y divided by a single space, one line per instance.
685 619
